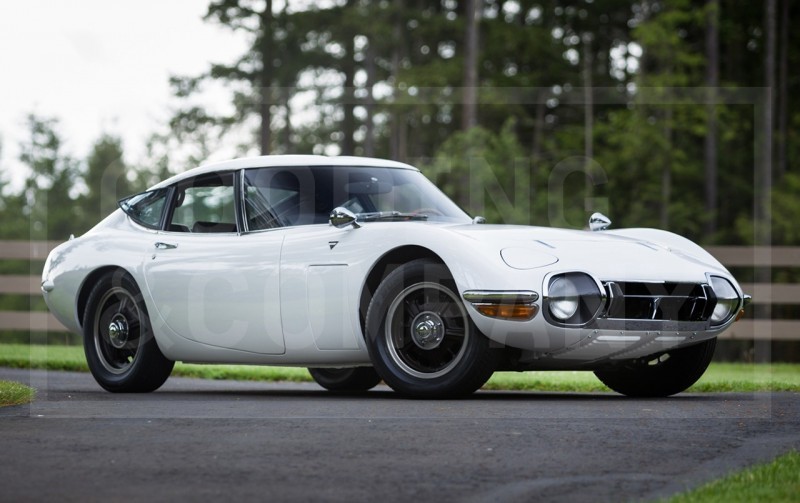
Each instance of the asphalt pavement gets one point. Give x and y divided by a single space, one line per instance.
202 440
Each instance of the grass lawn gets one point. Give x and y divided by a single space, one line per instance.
740 377
775 482
14 393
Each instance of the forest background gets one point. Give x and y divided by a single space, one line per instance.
678 115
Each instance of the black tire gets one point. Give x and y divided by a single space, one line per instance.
121 351
346 380
661 375
446 356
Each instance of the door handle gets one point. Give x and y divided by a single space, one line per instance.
165 246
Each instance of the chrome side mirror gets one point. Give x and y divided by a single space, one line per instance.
479 220
599 222
342 217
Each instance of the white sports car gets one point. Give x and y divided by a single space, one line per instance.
362 270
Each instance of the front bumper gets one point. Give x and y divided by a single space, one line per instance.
647 319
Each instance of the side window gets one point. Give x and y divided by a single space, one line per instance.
204 205
278 197
146 208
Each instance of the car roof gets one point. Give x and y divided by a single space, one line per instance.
266 161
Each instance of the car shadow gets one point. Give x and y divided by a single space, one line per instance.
479 396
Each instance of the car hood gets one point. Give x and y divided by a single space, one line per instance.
604 254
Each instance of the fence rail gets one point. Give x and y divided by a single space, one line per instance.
730 256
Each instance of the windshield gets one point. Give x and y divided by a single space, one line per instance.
277 197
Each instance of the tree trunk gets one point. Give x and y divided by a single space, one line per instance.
265 79
287 128
538 126
402 138
712 82
763 189
397 35
764 222
469 116
588 119
286 96
348 97
783 90
666 170
369 140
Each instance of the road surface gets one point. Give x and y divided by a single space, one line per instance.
202 440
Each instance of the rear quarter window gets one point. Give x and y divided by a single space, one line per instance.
147 208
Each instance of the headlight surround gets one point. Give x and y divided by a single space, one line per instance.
727 300
572 298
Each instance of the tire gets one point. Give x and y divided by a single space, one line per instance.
446 356
346 380
121 351
661 375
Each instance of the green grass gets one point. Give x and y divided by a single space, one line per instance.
749 377
774 482
720 377
14 393
72 358
741 377
552 380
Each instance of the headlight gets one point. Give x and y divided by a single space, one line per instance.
727 300
563 298
573 299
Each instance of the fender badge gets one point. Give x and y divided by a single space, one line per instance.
332 244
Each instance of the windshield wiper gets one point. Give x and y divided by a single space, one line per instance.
390 216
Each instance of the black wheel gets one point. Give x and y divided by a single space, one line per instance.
663 374
346 380
420 338
118 340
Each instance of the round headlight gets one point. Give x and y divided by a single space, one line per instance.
563 298
727 300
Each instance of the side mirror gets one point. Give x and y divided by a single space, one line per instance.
599 222
342 217
479 220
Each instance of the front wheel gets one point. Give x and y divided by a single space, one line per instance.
420 338
121 351
660 375
346 380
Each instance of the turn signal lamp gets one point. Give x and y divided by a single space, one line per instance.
508 311
515 306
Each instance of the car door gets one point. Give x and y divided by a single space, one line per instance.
318 307
207 282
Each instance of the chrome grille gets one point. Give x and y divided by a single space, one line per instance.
658 301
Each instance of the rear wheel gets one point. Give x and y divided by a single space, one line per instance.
346 380
660 375
121 351
421 340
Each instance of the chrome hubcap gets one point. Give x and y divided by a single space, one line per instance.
118 331
427 330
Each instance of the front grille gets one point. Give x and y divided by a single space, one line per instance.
658 301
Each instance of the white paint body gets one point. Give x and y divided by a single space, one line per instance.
285 297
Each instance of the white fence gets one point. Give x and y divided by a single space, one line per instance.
730 256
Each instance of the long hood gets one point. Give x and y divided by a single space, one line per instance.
606 255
